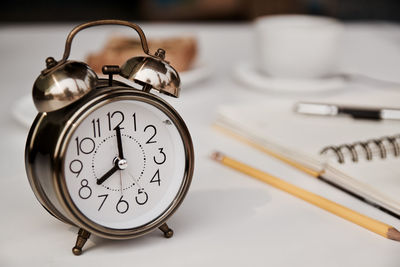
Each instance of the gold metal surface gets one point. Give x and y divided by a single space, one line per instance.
81 239
59 180
39 188
49 139
168 232
65 81
63 85
66 93
104 22
153 71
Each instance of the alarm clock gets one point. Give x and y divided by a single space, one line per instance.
104 154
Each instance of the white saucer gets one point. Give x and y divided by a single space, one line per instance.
25 112
248 74
198 73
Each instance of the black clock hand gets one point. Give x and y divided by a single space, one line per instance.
120 163
119 141
107 174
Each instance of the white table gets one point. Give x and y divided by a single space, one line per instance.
227 219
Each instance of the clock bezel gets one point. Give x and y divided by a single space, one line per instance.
108 96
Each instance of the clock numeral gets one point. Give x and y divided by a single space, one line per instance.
105 196
119 115
86 145
96 128
85 191
151 141
134 122
156 178
164 157
143 198
76 167
122 205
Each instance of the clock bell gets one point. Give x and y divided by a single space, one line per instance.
65 81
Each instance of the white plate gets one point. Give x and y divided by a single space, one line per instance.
249 75
198 73
25 112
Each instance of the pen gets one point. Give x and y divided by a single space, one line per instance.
355 112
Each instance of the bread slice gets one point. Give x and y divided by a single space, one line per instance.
180 51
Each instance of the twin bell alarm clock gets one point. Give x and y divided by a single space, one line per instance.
108 156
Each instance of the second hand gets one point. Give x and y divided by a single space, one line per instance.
120 181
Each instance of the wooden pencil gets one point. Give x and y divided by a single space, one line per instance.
314 173
366 222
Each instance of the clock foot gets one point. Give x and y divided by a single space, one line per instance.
168 232
83 236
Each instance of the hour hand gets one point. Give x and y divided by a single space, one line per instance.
119 142
107 175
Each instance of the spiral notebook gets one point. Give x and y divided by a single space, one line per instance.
301 138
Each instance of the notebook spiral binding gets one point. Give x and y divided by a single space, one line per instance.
371 148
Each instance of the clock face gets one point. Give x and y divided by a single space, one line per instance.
124 164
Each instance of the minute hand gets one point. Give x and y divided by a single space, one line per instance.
119 142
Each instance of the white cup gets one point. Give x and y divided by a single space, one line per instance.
297 46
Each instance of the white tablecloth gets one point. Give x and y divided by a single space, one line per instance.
227 218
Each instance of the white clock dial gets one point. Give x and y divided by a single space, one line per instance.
124 164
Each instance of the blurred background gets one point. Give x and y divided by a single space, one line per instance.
193 10
221 40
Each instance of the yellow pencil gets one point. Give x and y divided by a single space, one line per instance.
373 225
319 174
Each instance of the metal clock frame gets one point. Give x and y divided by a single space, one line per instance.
45 154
